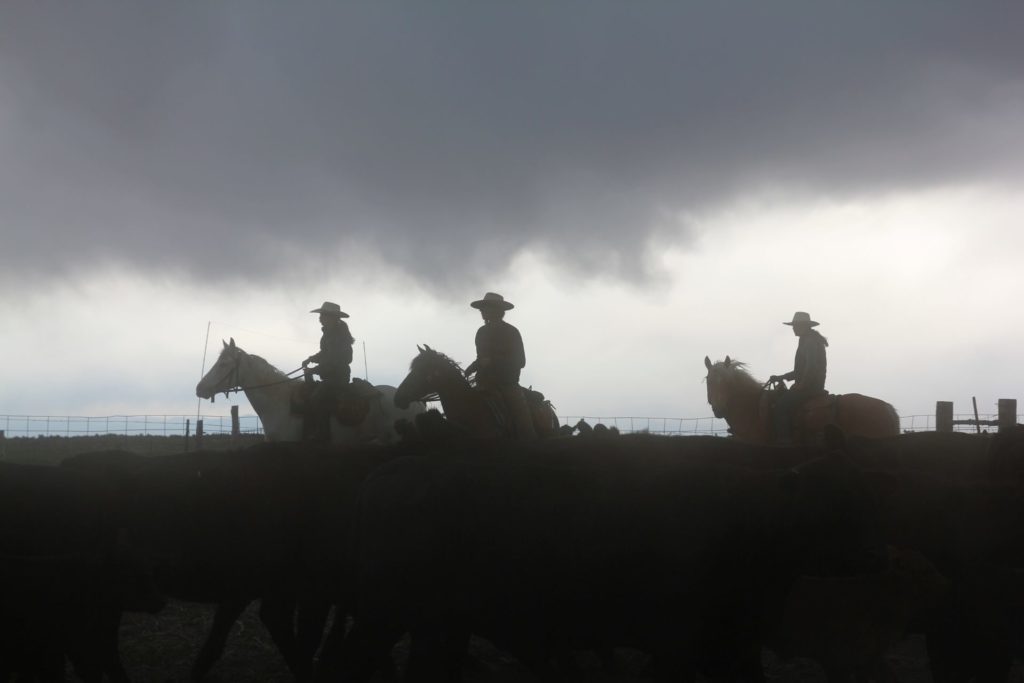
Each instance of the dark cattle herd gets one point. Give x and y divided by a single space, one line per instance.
701 553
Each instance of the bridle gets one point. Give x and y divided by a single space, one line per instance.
721 408
231 379
428 378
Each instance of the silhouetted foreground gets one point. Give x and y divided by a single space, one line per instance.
574 554
159 648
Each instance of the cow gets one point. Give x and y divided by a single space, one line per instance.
597 545
848 623
67 570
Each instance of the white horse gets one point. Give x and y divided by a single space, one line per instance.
270 393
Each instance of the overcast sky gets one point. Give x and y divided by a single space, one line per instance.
649 183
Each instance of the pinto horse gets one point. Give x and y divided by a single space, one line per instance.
478 413
746 405
272 394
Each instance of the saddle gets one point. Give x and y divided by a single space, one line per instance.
537 406
809 417
352 406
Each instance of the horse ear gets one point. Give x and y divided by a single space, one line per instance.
224 343
427 347
419 348
232 344
727 361
707 362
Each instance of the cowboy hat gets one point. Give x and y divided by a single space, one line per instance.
330 308
492 300
802 317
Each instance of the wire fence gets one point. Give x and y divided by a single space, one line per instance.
14 426
123 425
718 427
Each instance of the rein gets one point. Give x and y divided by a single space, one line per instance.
288 378
236 387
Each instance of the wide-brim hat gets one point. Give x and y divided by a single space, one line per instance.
802 317
492 300
330 308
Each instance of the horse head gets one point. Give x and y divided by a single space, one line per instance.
714 386
224 373
719 381
429 372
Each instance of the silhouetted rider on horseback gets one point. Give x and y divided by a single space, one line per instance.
808 375
499 359
333 361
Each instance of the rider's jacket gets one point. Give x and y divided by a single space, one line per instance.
335 354
502 345
810 363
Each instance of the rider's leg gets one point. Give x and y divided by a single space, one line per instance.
518 411
783 418
322 400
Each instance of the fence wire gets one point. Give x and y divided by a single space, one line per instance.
122 425
179 425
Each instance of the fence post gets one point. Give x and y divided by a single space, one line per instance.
236 431
3 444
1007 413
943 416
199 435
188 430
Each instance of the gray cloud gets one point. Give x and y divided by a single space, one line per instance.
209 137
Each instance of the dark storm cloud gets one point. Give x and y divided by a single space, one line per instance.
223 139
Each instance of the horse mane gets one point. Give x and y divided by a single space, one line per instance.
429 355
257 359
735 372
433 355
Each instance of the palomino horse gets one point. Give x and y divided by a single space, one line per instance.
745 404
477 412
271 393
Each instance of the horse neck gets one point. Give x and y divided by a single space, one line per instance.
269 391
743 412
465 406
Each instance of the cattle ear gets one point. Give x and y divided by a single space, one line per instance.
835 438
707 362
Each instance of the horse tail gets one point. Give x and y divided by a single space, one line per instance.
894 417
